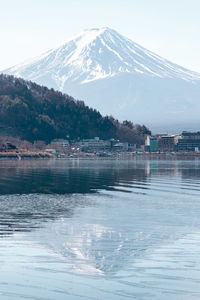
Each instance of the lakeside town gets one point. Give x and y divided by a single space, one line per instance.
186 143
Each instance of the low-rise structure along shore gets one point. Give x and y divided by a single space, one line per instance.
187 143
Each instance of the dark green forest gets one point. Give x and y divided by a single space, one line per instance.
33 112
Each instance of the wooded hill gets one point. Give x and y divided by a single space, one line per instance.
32 112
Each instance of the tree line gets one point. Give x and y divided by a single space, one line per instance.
33 112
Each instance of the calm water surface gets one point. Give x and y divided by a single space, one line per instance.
103 230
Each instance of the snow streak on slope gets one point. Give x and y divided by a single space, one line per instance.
98 54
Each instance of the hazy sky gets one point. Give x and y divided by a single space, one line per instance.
171 28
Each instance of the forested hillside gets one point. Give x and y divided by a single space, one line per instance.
34 112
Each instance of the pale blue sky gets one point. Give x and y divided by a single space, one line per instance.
171 28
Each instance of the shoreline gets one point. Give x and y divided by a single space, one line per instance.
21 155
25 155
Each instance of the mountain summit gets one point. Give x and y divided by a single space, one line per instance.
117 76
95 54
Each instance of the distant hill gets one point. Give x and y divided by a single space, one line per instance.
34 112
117 76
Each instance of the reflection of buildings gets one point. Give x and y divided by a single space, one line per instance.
156 167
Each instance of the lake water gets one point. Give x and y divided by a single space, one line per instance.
82 229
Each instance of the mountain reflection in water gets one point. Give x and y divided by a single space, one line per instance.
133 224
32 192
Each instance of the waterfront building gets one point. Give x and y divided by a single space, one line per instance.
94 145
60 145
151 144
166 143
189 141
121 147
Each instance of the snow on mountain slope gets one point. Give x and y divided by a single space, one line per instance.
116 76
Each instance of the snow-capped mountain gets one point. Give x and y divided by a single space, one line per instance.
117 76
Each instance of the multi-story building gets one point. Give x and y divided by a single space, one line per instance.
189 141
166 143
121 147
151 144
60 145
94 145
160 143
